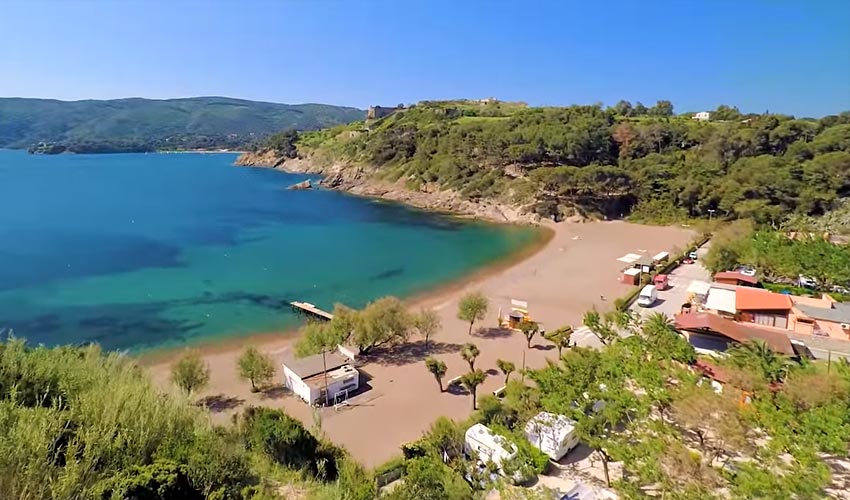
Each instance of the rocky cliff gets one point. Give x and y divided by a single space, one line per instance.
360 181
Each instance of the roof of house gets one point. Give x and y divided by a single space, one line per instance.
838 313
707 322
721 299
313 365
645 260
735 275
754 299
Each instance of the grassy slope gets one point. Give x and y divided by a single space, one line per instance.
24 122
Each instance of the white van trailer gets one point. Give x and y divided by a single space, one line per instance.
482 443
648 296
554 435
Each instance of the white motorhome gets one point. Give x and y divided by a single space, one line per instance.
648 296
485 445
554 435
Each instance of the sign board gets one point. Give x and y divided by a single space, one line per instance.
519 303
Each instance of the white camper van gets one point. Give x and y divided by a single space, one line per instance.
648 296
554 435
483 444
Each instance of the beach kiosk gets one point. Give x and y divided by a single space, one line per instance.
517 314
660 258
630 276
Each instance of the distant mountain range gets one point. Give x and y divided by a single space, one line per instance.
51 126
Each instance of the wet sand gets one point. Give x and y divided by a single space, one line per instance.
570 274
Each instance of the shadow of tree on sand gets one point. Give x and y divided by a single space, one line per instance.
275 392
219 403
492 333
544 347
457 390
410 352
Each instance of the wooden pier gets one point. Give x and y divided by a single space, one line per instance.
311 310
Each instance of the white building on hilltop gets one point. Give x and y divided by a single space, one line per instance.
554 435
702 116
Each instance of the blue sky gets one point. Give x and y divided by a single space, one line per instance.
778 55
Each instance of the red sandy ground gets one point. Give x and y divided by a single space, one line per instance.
560 282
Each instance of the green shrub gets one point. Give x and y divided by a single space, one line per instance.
286 441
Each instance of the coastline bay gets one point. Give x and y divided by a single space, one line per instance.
149 252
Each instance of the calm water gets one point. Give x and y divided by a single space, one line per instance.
148 251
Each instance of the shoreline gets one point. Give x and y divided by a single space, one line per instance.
560 281
282 338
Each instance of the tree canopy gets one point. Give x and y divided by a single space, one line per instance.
627 159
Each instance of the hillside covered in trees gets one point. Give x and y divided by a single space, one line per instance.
614 161
94 126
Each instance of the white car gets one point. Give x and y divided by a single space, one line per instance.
807 282
747 271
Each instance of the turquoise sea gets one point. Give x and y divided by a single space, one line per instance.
145 251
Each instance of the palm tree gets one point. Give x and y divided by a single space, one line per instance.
437 368
471 381
506 367
759 356
469 352
656 323
599 326
560 337
529 329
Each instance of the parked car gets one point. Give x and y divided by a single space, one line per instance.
841 289
693 255
747 270
807 282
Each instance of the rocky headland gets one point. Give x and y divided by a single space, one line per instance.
360 181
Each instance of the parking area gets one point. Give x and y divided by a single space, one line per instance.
670 300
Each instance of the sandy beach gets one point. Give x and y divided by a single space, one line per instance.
577 269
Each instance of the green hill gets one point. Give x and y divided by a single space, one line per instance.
148 124
614 161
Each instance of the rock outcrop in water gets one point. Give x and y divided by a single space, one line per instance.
359 181
301 185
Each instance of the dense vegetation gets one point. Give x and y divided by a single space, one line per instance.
80 424
128 125
777 430
779 258
773 432
615 161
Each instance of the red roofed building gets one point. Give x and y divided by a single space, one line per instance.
735 278
763 307
711 332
